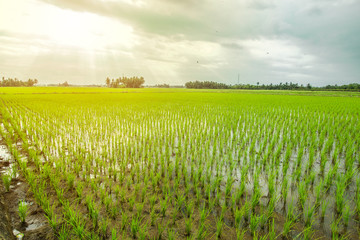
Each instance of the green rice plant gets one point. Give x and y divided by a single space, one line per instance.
152 201
114 234
60 195
136 189
219 227
311 178
272 232
271 205
212 202
254 222
197 197
124 220
246 208
187 190
349 175
139 209
73 218
6 179
135 226
238 217
323 209
339 197
288 225
229 184
79 229
308 233
323 161
64 233
271 184
302 194
160 229
240 234
128 184
255 200
188 225
153 217
22 164
23 211
143 232
309 215
346 214
107 203
189 208
174 214
70 178
297 174
93 212
335 228
79 189
14 171
117 190
103 227
143 194
122 194
113 211
201 233
358 203
53 221
103 194
180 201
171 234
131 202
284 189
163 206
49 211
318 192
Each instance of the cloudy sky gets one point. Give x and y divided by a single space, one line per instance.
175 41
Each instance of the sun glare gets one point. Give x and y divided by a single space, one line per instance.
88 31
71 29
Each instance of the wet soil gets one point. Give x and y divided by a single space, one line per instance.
36 226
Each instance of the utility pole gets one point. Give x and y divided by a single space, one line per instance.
238 78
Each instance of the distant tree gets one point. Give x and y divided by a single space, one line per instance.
162 85
14 82
64 84
280 86
127 82
206 85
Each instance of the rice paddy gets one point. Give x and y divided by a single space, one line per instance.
178 164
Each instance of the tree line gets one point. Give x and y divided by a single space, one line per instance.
125 82
206 85
14 82
164 85
280 86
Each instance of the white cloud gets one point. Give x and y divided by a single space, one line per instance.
278 53
177 41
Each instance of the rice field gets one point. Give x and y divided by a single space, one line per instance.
179 164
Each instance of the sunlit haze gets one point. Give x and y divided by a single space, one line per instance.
246 41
